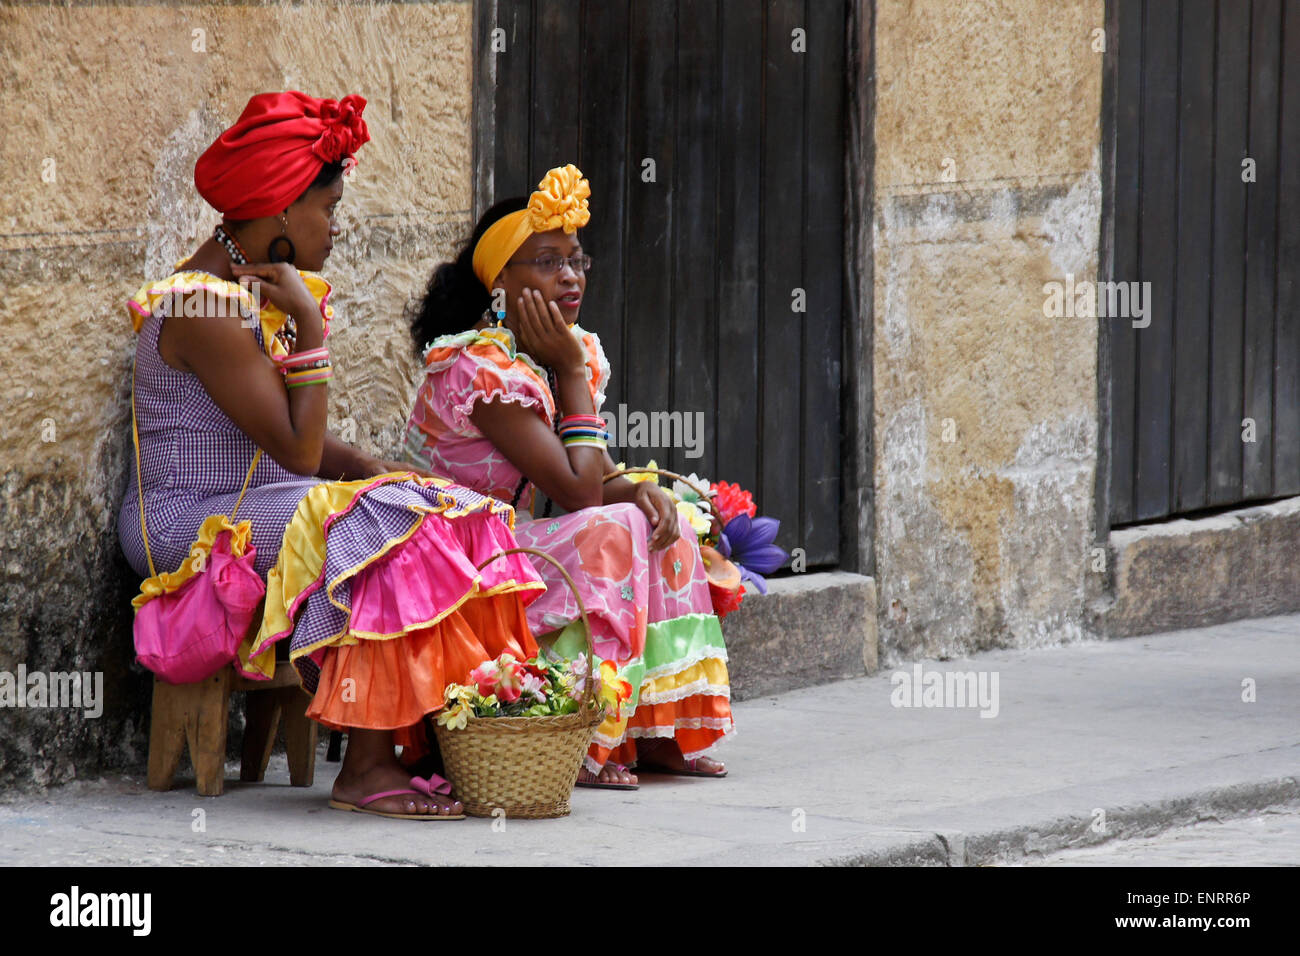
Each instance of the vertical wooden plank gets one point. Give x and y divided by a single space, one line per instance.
649 287
1159 232
738 252
602 156
557 94
1192 323
484 106
1231 101
1286 449
694 305
782 267
824 278
513 100
1127 45
1261 233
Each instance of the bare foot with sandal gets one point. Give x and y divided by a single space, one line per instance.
664 756
612 776
372 781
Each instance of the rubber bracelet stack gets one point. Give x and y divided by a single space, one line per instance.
309 367
583 430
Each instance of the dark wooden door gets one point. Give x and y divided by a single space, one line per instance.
739 107
1205 92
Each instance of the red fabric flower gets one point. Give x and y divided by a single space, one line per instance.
733 500
725 599
344 130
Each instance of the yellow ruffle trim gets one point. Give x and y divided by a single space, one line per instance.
142 304
302 558
712 671
213 525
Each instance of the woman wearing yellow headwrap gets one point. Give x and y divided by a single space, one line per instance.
509 405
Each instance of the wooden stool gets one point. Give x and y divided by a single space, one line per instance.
197 714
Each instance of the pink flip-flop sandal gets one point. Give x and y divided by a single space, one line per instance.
597 785
419 786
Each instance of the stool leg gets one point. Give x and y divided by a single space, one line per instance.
205 727
335 752
299 736
166 732
261 718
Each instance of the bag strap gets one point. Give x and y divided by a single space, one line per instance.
139 478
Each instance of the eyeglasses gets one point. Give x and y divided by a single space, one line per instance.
549 265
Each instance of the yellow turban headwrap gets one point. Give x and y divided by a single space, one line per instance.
560 202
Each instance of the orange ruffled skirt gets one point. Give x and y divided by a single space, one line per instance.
393 684
385 608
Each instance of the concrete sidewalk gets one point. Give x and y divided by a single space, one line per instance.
1090 743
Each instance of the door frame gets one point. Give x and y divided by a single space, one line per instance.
857 505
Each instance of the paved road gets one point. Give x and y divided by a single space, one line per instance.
1152 731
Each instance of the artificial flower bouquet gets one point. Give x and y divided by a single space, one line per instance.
737 546
513 738
538 687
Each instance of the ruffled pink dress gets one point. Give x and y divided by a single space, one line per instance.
651 612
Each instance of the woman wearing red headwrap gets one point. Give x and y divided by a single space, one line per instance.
369 564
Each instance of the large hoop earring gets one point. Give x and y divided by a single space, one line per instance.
275 255
271 251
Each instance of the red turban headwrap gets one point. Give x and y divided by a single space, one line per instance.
270 156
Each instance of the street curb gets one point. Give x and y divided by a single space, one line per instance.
807 630
956 848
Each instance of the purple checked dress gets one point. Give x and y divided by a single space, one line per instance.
346 535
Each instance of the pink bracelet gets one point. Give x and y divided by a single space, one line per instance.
298 359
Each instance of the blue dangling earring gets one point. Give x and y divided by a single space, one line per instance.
499 313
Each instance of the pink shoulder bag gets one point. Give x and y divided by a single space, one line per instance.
189 623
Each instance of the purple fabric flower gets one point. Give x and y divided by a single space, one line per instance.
748 545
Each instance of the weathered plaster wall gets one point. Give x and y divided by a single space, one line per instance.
105 109
987 151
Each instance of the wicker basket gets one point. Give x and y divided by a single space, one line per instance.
526 766
703 496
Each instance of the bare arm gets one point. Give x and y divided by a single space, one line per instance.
651 499
571 477
343 462
288 424
617 490
521 435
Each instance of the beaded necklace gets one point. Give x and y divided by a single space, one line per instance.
287 335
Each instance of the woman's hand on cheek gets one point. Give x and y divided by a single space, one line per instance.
544 335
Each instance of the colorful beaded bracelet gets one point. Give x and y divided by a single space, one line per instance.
314 376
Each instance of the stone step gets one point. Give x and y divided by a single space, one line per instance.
807 630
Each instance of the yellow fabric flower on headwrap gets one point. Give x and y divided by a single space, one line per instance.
560 202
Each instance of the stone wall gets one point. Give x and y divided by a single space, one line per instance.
106 107
987 185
